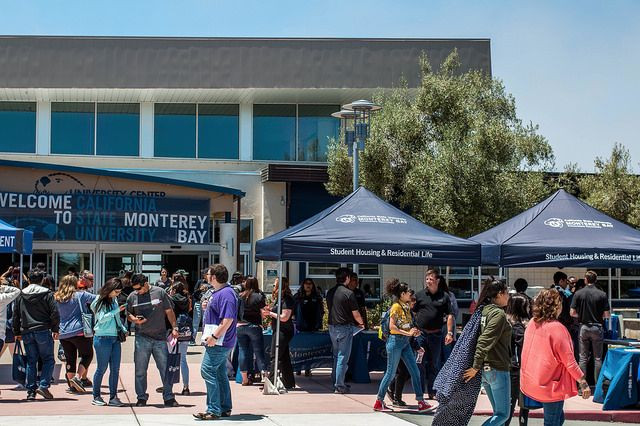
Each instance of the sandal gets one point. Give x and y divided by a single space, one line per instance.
205 416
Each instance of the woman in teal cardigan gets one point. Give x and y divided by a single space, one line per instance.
106 342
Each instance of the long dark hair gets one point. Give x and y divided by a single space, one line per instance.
395 288
302 293
518 309
286 290
250 286
104 301
490 289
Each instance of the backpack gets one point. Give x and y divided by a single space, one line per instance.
184 323
239 303
384 331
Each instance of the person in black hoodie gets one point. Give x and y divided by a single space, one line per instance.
518 314
309 310
179 295
36 321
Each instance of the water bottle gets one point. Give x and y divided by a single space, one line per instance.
419 357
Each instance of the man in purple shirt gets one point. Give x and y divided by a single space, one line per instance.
221 310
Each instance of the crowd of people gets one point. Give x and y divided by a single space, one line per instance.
524 351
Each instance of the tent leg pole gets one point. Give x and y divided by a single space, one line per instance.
30 262
609 285
277 330
21 269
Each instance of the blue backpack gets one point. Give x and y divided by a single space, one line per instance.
384 331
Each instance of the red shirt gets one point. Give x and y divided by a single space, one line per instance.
549 370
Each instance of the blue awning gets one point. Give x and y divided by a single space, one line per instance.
362 228
561 231
15 240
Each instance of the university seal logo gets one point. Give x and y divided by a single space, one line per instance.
346 218
554 222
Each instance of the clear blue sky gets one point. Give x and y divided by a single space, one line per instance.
573 66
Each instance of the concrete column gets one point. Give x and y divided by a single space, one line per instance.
43 128
246 132
228 253
146 130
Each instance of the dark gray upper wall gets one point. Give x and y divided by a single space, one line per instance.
103 62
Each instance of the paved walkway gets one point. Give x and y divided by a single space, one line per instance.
311 401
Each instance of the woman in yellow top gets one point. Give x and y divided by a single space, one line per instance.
401 330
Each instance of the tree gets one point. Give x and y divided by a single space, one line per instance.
613 189
453 152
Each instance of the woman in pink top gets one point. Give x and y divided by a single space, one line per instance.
549 370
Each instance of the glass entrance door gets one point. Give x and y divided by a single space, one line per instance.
115 264
64 261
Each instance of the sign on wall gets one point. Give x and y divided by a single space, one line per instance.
108 217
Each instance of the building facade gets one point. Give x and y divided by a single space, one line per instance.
234 130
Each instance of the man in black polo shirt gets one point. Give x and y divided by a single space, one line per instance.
432 306
561 284
591 305
343 318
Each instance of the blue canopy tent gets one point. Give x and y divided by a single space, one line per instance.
15 240
362 228
561 231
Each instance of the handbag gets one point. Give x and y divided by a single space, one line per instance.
184 323
19 368
172 373
530 403
122 335
87 321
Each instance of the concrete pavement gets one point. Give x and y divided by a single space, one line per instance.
311 403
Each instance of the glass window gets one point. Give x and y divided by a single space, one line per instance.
323 269
274 132
72 127
461 287
118 129
629 289
218 131
245 230
315 129
18 127
175 130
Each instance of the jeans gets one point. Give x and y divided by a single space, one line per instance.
144 348
553 413
38 344
341 341
214 373
432 344
497 384
398 347
183 347
250 340
591 337
197 317
108 354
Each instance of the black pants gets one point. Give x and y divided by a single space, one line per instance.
284 366
74 347
397 384
515 396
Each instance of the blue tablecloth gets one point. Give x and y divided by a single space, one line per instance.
620 367
313 350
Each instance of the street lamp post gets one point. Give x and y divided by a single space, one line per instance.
360 112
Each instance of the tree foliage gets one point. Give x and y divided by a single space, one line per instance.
613 188
452 152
